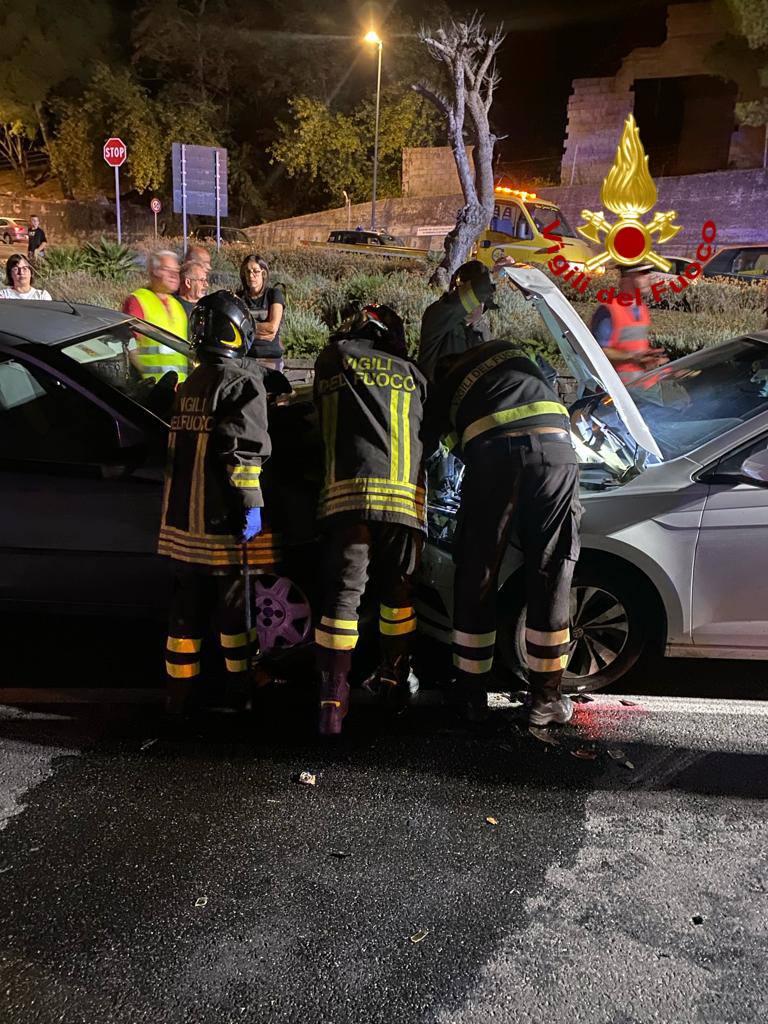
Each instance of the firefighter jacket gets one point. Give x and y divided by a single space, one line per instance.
370 405
491 389
444 330
217 445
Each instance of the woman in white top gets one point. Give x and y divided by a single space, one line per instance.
19 276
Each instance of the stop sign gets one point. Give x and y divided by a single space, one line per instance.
115 152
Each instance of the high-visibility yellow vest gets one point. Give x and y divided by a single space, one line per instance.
155 359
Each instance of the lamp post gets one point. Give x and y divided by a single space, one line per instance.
373 37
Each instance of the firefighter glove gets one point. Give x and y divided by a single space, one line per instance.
252 524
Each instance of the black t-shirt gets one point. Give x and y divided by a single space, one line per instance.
35 239
259 307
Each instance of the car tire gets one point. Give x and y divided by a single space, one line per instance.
7 238
610 620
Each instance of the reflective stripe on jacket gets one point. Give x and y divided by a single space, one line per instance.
371 406
492 388
155 359
629 334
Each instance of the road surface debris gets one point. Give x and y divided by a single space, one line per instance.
420 936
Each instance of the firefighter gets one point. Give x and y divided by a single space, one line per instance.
455 322
521 476
212 503
370 400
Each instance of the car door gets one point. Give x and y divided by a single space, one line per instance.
730 576
80 502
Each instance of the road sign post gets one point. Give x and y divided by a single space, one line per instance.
155 206
115 153
200 183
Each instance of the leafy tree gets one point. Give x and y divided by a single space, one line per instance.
335 150
114 103
745 60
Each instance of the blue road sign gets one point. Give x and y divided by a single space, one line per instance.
194 173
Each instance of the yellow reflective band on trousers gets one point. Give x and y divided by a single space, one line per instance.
183 645
350 624
475 668
506 416
182 671
241 665
474 639
335 641
544 639
547 664
396 614
397 628
237 639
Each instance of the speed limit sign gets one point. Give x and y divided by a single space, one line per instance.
155 206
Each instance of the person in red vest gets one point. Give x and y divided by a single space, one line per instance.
622 328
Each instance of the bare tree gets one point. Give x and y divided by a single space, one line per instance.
469 52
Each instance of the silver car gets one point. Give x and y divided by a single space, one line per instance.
674 485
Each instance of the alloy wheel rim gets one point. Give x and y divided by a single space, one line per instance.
599 631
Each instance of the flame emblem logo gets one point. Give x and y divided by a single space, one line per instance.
629 192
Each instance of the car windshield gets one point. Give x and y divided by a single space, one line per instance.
543 216
695 399
107 356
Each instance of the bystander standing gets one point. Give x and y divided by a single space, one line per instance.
36 240
193 284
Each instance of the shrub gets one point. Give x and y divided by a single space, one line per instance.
108 260
302 333
62 259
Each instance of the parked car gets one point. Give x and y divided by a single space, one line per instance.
745 262
674 488
13 230
364 238
229 236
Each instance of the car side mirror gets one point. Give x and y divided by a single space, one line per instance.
755 468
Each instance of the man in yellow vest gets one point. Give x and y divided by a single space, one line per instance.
157 305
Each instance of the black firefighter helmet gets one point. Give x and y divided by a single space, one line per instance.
378 324
220 324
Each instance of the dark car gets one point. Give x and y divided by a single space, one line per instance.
745 262
363 238
229 236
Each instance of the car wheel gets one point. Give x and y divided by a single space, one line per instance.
7 238
609 621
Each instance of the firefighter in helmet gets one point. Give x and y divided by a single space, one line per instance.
212 524
370 399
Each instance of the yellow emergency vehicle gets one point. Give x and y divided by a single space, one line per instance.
517 229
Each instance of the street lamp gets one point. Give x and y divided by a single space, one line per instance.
373 37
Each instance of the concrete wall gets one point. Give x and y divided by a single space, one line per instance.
737 201
431 171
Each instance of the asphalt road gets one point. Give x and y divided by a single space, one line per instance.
153 875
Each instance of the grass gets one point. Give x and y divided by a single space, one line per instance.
319 285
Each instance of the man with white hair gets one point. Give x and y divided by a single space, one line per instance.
156 304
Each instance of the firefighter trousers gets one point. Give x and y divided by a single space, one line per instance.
390 553
199 598
527 486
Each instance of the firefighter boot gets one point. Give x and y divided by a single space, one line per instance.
178 697
549 706
334 702
469 697
398 684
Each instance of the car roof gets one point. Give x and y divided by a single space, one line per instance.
54 323
740 245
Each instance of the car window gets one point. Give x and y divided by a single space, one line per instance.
543 216
504 219
730 465
42 419
721 262
692 400
106 356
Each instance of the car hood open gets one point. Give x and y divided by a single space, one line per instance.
582 354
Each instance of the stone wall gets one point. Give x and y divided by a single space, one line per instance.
598 106
431 171
67 220
420 221
735 200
